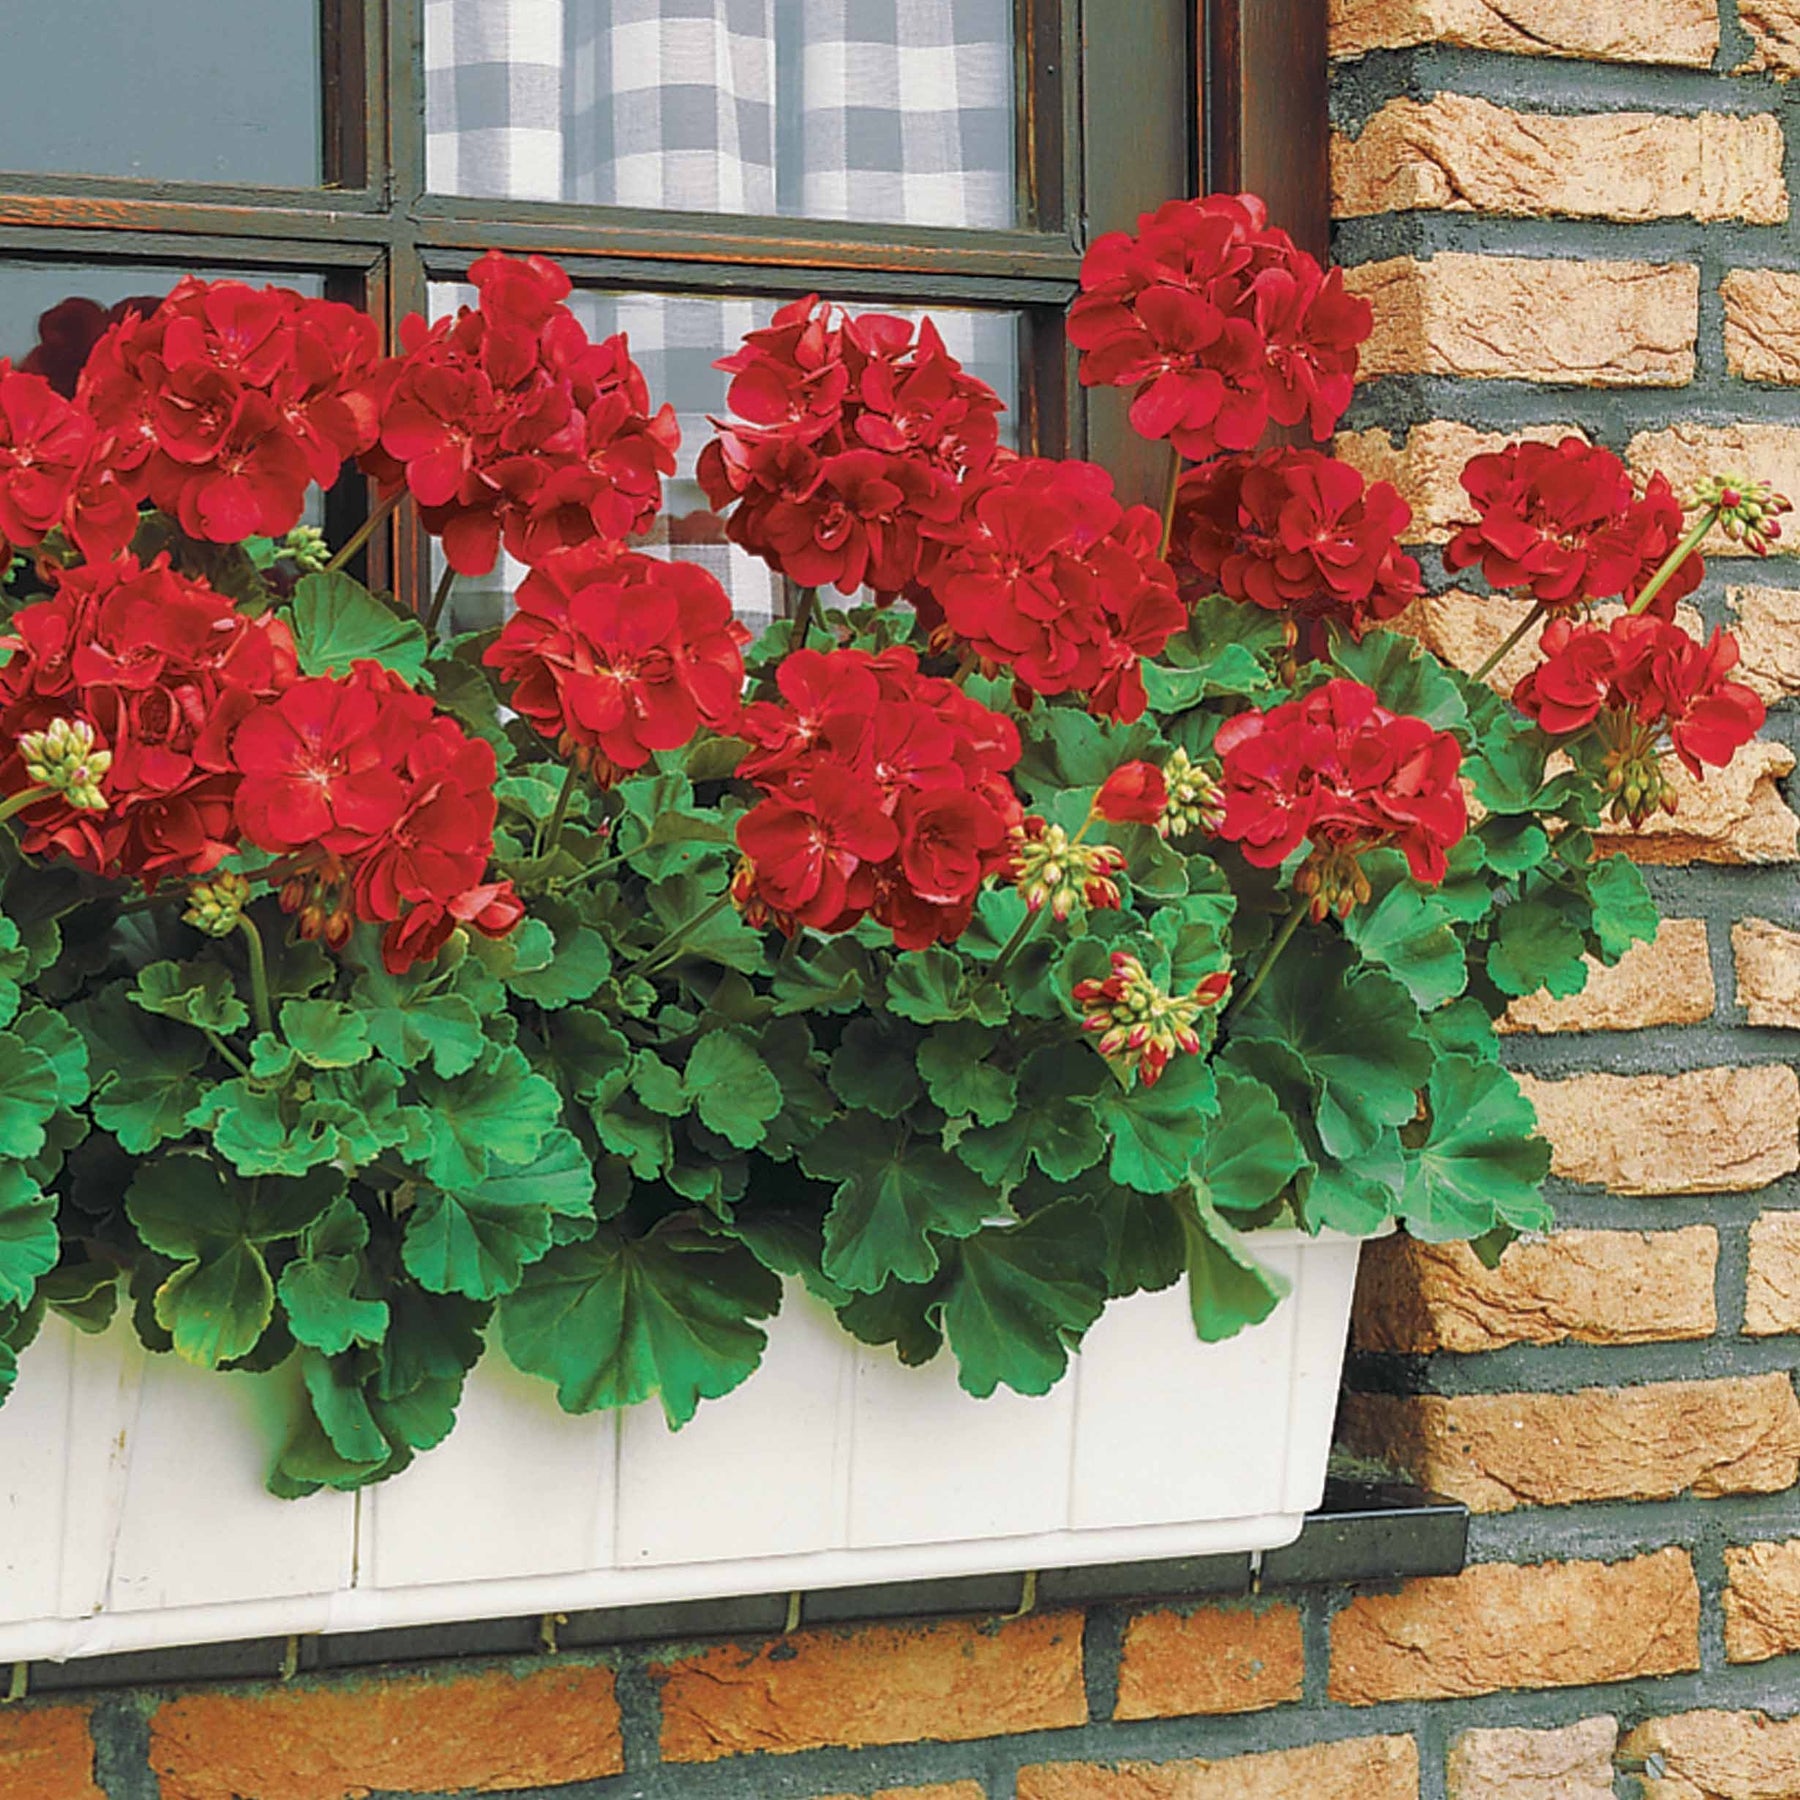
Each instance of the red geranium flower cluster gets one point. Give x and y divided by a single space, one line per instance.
1296 532
615 655
53 473
1220 323
381 808
507 424
1047 575
381 805
1646 683
224 404
1337 768
1565 523
163 669
885 793
857 431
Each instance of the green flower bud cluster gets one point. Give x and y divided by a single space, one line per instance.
1140 1027
1196 802
1749 511
1052 869
306 547
216 906
63 756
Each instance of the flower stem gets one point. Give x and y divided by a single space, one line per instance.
1282 939
803 618
551 834
259 973
1168 512
1676 557
1016 942
445 582
17 803
1515 637
366 530
226 1052
671 945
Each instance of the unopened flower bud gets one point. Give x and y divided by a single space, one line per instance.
64 756
1333 881
1748 510
1050 869
216 906
306 547
1195 801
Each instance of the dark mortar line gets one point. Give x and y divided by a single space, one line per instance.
1429 232
1315 1641
1568 1368
1651 1050
640 1710
1709 1571
1732 1278
1102 1652
120 1723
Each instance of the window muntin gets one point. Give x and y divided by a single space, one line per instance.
895 111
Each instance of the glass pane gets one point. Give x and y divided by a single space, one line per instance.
189 90
893 110
675 340
51 314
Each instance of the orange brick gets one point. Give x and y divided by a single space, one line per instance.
492 1733
888 1684
47 1753
1498 1626
1380 1768
1215 1659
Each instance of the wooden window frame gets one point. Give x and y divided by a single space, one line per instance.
1110 121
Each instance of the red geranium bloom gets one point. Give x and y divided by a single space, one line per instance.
619 655
68 332
1298 532
885 793
1133 794
1219 323
1336 768
1564 523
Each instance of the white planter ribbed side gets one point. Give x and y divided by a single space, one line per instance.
132 1514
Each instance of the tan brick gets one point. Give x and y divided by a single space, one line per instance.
1681 32
1213 1659
1574 1762
1427 467
1772 1291
1667 981
1496 1452
47 1753
1768 972
943 1682
1519 318
1499 1625
1767 628
1710 1131
1380 1768
1774 26
1736 815
1717 1756
1762 1601
1455 153
493 1733
1594 1287
1762 326
1687 453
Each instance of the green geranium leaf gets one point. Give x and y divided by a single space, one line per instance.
874 1068
1066 747
410 1025
1022 1296
1535 946
896 1195
594 1058
1405 678
615 1320
734 1091
1355 1030
324 1289
28 1239
198 994
1410 935
629 1129
62 1046
1228 1289
1156 1132
676 904
30 1090
326 1034
497 1112
961 1076
145 1082
217 1309
1624 913
1145 1249
580 964
1251 1153
260 1132
931 986
660 1087
338 622
15 964
477 1243
1482 1162
1050 1125
833 978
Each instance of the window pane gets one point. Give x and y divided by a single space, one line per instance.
676 339
187 90
51 314
893 110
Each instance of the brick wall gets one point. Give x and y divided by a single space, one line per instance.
1574 215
